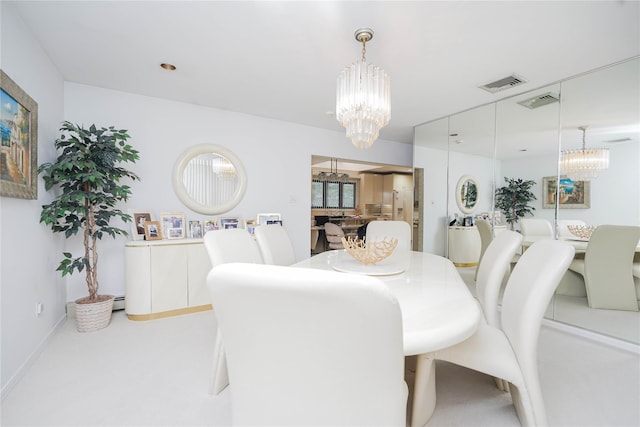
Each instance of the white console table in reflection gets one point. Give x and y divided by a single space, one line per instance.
464 246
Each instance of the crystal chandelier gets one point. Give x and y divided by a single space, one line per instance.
363 104
333 176
583 164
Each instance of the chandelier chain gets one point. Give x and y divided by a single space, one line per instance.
364 49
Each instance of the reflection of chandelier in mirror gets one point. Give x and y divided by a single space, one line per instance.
583 164
363 104
333 176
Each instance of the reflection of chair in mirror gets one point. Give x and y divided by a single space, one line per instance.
607 267
535 229
486 235
511 352
334 235
275 245
293 360
379 230
563 230
225 246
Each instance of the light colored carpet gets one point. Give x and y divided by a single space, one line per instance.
156 373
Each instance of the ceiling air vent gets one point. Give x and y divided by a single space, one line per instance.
540 100
504 83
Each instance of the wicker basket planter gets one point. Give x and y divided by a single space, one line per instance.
92 316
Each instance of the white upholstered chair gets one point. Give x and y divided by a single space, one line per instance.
491 271
511 352
607 267
401 230
334 234
485 229
534 229
493 268
224 246
275 245
309 347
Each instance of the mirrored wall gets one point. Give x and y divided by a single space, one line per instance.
522 137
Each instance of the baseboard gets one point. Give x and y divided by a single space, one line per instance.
593 336
30 360
118 304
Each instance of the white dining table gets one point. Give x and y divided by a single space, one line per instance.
438 310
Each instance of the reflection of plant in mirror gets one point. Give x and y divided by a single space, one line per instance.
469 194
513 199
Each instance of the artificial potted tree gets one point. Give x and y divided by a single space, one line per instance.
88 173
513 199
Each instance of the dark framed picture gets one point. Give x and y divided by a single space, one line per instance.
195 230
19 145
152 230
573 194
138 218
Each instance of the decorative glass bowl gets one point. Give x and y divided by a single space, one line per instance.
370 253
582 231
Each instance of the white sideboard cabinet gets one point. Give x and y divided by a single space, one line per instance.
165 278
464 246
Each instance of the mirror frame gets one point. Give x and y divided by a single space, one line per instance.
185 197
461 205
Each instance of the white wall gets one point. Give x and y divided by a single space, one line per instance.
615 198
276 155
29 252
434 219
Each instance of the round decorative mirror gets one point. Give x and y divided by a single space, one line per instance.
209 179
467 194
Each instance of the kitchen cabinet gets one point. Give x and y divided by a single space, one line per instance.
165 278
370 188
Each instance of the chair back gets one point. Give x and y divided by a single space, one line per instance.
231 245
531 285
563 230
486 235
309 347
608 267
379 230
535 229
491 271
334 235
274 244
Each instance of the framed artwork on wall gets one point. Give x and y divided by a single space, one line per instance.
19 143
573 194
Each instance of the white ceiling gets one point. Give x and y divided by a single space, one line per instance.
281 59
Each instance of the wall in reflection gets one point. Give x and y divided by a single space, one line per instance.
511 139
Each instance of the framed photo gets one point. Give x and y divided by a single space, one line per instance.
210 225
195 230
268 218
19 143
152 230
250 225
229 223
138 218
573 194
173 225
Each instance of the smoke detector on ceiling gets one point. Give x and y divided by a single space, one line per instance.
540 100
504 83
